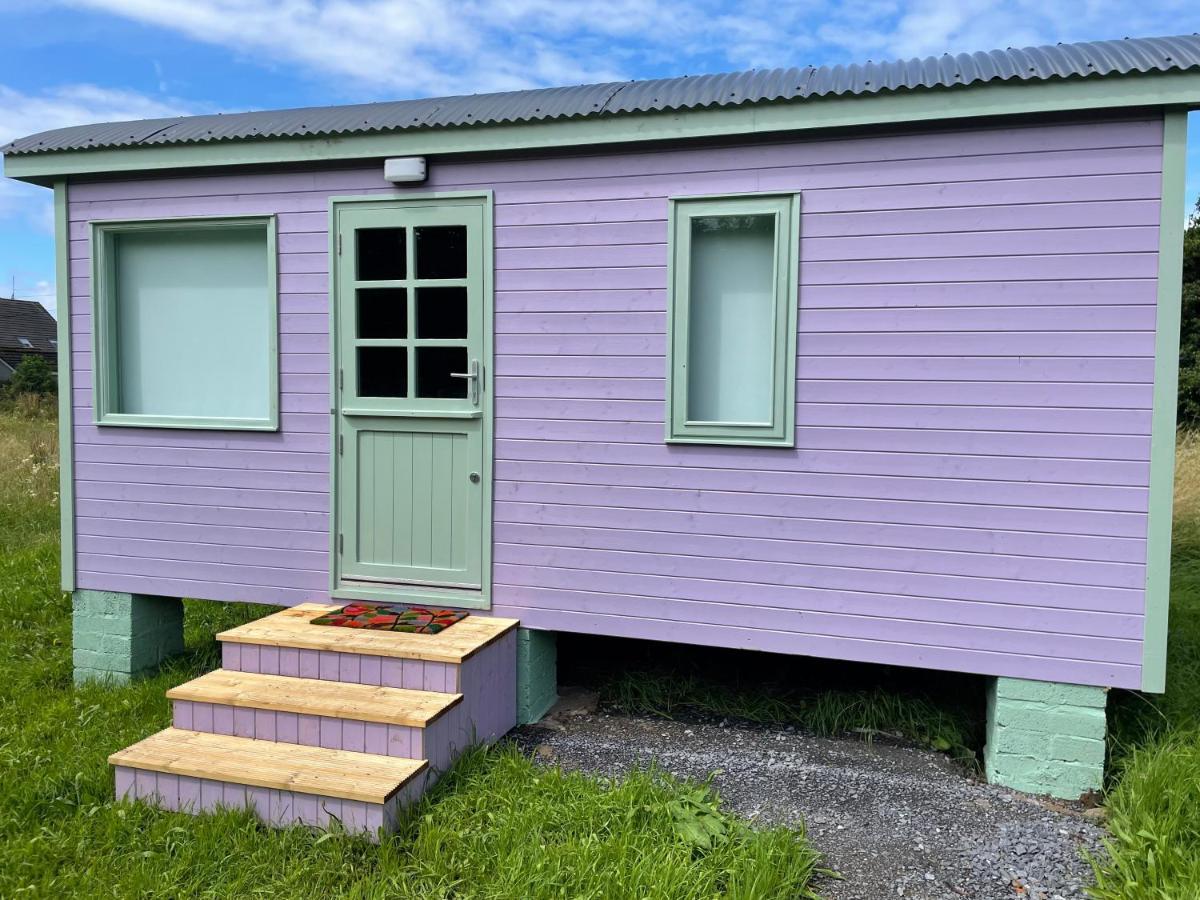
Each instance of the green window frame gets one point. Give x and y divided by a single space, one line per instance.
770 378
252 407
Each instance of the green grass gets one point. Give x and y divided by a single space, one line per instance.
1154 769
869 712
497 827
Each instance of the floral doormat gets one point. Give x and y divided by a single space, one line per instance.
392 617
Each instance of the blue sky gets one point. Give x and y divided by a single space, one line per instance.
104 60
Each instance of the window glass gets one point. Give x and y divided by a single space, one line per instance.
731 332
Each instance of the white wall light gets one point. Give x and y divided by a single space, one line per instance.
404 168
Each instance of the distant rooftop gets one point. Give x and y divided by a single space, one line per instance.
1094 59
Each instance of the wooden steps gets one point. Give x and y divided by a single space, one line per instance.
291 628
307 696
316 725
265 764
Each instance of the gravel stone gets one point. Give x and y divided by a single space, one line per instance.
892 820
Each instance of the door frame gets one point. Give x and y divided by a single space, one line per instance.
481 599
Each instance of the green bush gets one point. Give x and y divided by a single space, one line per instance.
33 376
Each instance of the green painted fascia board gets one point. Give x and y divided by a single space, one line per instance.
104 359
1166 388
893 107
66 413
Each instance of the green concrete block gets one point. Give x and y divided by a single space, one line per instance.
1045 738
1065 780
1051 693
1049 720
123 634
537 674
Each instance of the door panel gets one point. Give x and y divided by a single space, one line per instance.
410 477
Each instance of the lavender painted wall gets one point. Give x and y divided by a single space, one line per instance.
969 485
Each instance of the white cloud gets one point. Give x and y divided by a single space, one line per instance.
75 104
460 46
30 209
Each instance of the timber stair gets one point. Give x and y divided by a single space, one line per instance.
307 724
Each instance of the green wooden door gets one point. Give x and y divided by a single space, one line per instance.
410 477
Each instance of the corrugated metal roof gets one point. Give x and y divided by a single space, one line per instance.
1091 59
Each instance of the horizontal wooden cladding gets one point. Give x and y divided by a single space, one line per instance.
314 582
204 588
253 441
948 539
549 246
680 477
289 402
950 145
974 383
191 495
959 269
921 440
622 594
182 515
308 232
864 415
617 201
864 321
188 551
561 613
995 369
1036 394
625 251
1045 519
978 343
207 457
230 535
569 545
750 173
1028 469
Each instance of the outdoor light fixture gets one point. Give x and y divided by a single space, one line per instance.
404 168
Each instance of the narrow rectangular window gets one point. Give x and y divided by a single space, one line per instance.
186 332
733 290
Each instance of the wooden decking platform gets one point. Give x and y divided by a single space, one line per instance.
292 628
307 696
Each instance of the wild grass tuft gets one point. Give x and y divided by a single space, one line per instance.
910 709
497 828
1154 740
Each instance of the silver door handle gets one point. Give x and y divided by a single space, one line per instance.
473 378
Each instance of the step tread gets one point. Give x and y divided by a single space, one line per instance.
291 628
290 767
308 696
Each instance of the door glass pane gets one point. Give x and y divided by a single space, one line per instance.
382 371
441 251
382 312
442 312
434 365
731 315
380 254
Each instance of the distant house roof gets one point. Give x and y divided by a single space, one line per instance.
1091 60
26 327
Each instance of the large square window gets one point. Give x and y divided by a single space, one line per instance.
185 331
733 320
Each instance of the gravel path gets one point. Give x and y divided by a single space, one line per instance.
894 821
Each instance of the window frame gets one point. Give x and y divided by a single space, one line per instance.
105 373
780 430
